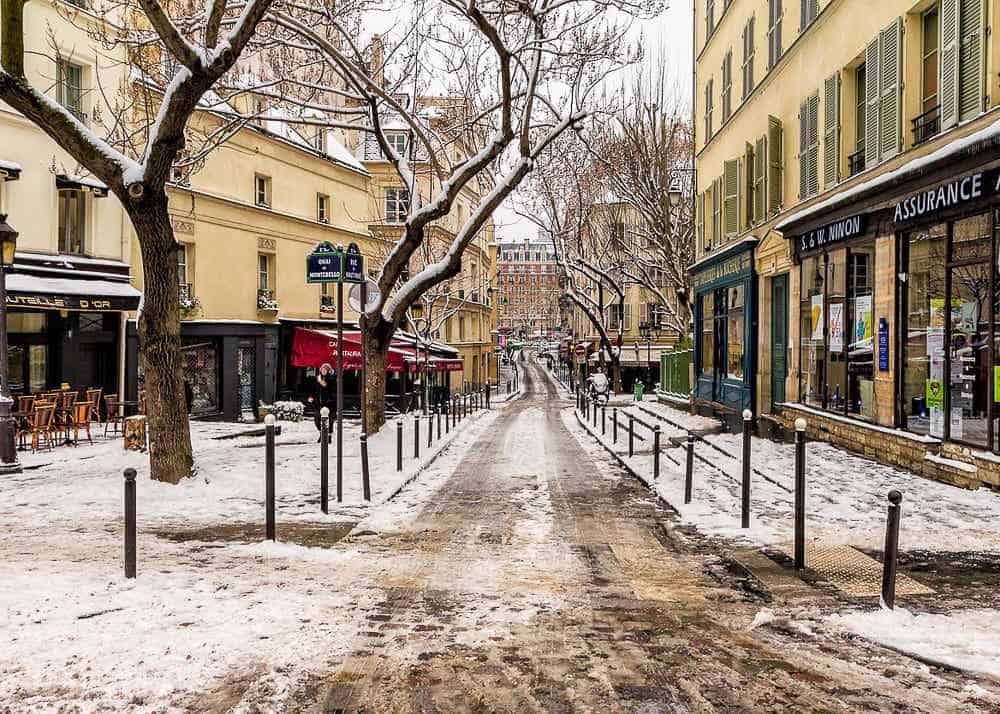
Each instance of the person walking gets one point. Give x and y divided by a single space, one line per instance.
324 395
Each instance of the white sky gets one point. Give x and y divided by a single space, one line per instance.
669 36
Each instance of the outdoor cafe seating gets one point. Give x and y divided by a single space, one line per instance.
65 416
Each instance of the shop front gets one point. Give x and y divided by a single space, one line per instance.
899 300
64 323
724 287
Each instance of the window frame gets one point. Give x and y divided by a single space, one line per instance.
323 208
262 190
63 88
64 242
396 202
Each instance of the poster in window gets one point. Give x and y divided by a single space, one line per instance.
935 344
956 423
837 327
817 318
863 324
935 404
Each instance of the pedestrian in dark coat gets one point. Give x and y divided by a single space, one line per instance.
324 393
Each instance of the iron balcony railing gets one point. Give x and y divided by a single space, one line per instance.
927 126
856 161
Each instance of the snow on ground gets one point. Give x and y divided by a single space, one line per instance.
202 612
969 639
845 494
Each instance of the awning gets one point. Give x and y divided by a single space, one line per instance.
82 183
314 348
635 354
67 293
9 171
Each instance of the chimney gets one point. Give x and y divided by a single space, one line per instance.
378 59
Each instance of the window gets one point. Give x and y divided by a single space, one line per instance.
809 148
461 328
775 166
931 60
963 61
398 143
709 18
727 86
731 199
262 190
72 221
322 208
397 205
857 160
775 13
708 110
810 9
860 332
883 95
749 50
618 233
264 273
69 85
707 334
735 297
812 352
183 260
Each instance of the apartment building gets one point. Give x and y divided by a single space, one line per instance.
68 291
848 184
528 281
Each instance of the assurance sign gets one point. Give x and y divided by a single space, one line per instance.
967 189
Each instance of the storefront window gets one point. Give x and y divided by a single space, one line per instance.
811 341
38 366
836 300
923 355
734 342
707 333
861 335
201 373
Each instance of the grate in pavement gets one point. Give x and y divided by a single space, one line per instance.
853 572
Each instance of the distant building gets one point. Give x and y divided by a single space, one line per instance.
529 287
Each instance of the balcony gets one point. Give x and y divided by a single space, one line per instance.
927 126
856 161
266 300
188 302
327 303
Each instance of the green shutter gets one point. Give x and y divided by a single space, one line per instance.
831 136
731 211
760 181
775 166
872 97
949 64
890 80
716 212
971 59
749 181
701 222
803 150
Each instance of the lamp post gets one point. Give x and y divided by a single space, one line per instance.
646 331
8 449
417 315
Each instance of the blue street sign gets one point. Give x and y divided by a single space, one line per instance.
883 344
354 265
324 264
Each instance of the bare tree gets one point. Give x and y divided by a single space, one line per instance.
525 74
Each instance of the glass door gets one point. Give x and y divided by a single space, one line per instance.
721 328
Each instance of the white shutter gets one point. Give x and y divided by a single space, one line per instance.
872 96
731 176
891 79
831 127
971 59
948 87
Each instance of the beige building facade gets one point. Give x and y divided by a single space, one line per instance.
847 191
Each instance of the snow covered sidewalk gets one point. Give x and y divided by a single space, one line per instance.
846 494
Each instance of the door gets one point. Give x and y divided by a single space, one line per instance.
721 341
779 337
247 369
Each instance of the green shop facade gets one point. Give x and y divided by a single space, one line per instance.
724 286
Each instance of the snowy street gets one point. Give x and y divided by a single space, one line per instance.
522 570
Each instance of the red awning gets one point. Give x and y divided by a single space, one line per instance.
314 348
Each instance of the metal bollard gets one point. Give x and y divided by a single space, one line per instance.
324 459
745 505
489 389
130 523
366 485
614 424
604 421
399 444
438 412
416 436
800 493
631 435
269 477
891 554
430 430
656 452
447 419
689 473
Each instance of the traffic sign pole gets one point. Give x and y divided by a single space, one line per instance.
340 391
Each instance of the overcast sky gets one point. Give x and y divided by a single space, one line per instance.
669 37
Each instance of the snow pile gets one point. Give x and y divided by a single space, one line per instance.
969 639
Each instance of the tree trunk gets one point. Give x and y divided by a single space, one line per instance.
170 455
376 359
616 374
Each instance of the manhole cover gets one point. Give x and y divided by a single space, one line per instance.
853 572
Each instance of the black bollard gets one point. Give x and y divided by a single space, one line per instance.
800 493
631 435
438 413
891 551
745 505
614 425
269 477
430 430
489 389
447 418
689 473
129 523
656 452
416 436
366 485
324 459
604 421
399 444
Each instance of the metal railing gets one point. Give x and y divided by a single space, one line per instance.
675 372
856 161
927 125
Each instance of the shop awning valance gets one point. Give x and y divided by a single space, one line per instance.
82 183
32 291
9 171
314 348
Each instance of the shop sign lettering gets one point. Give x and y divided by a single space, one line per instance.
955 193
835 232
733 266
59 302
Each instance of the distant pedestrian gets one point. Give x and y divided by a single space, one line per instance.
324 393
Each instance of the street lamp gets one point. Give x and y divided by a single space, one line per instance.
647 330
675 193
8 428
421 325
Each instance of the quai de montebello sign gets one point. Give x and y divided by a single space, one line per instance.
332 264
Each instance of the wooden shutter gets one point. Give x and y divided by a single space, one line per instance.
701 221
749 51
890 81
775 166
731 211
809 147
760 181
727 86
872 95
949 64
808 9
749 181
708 110
628 317
775 13
717 212
831 127
972 60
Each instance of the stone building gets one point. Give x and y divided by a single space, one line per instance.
528 281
